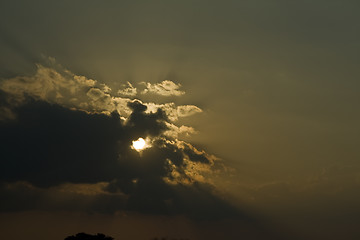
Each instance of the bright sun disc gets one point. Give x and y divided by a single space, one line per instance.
139 144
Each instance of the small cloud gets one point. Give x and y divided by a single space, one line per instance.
172 111
95 94
187 110
165 88
128 90
174 131
105 88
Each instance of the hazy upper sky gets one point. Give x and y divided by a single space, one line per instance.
269 87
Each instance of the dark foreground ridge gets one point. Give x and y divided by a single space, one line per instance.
100 236
85 236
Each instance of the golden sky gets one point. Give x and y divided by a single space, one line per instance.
249 110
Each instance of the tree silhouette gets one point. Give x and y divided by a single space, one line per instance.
85 236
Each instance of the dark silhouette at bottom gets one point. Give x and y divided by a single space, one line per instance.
100 236
85 236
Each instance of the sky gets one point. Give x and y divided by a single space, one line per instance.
248 110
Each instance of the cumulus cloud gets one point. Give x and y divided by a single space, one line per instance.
165 88
66 137
48 84
55 84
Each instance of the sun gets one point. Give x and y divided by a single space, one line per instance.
140 144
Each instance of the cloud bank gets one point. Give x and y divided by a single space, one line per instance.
65 137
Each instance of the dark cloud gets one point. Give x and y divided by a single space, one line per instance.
48 144
86 161
144 124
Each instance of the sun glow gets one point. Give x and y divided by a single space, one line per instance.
140 144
